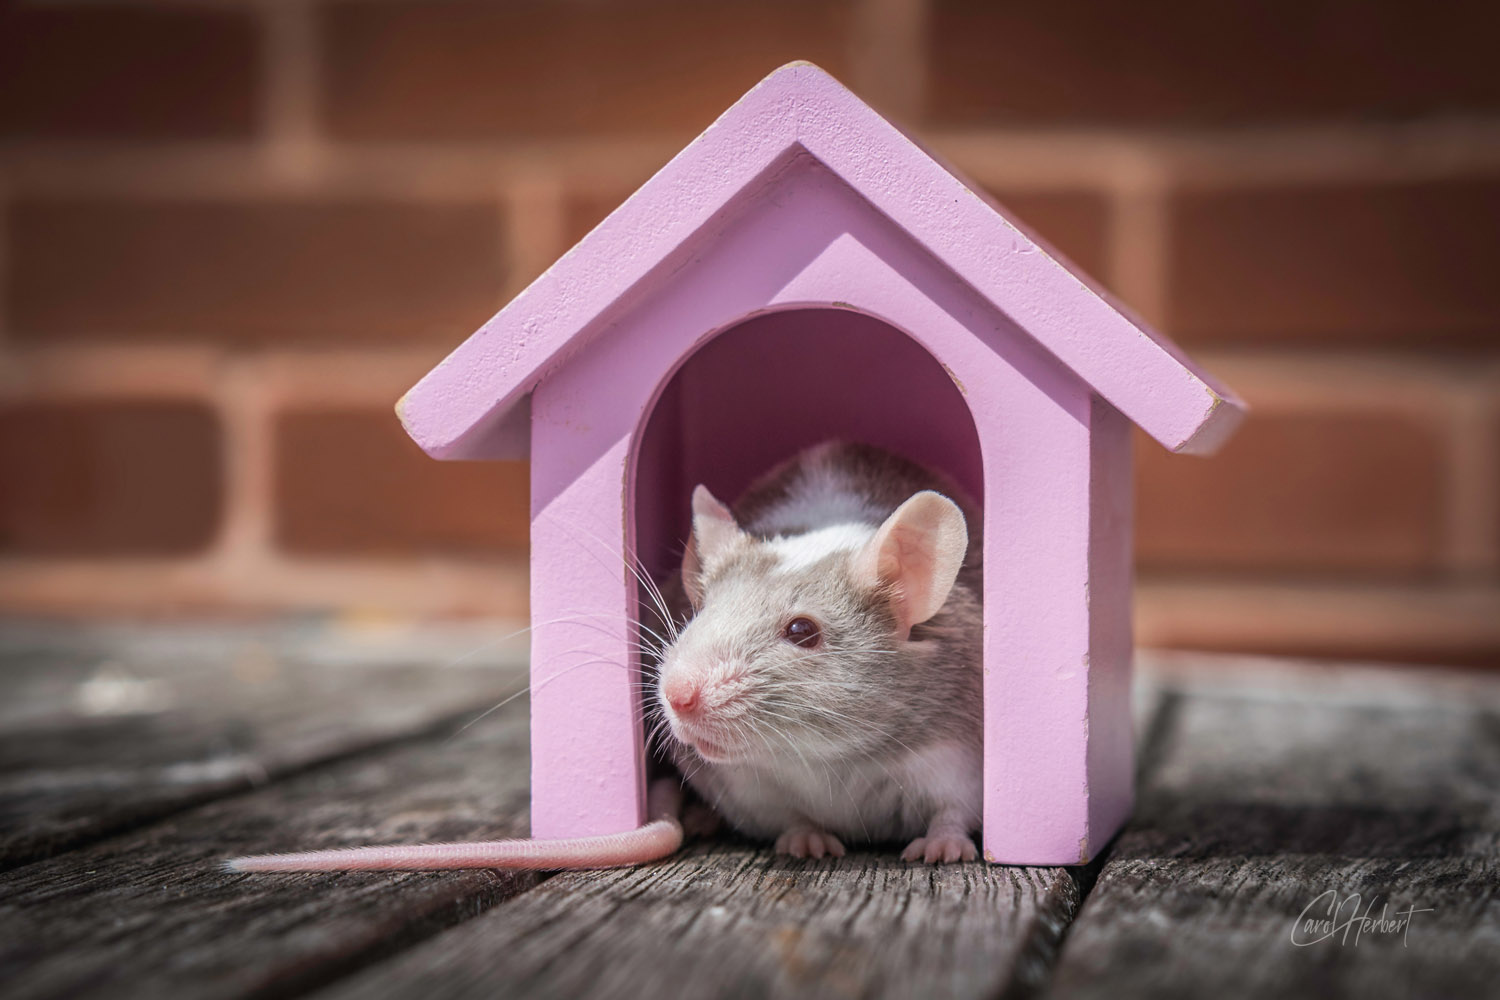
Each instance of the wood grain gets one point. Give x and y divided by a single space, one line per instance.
153 913
1264 798
104 729
732 920
1263 785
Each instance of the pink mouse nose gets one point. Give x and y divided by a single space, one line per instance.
682 694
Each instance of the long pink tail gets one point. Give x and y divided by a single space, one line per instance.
657 839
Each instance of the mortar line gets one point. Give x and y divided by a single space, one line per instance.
531 231
888 52
1138 239
1011 157
246 410
1470 543
289 66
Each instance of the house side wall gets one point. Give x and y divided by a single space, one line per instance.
586 739
1036 651
1111 770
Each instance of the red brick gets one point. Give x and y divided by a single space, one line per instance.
259 272
1184 61
452 70
1308 493
108 478
106 72
1366 264
1074 222
350 482
1337 642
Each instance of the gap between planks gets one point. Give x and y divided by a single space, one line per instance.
1156 711
153 913
726 918
103 730
1275 784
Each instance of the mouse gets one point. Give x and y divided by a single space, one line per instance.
818 683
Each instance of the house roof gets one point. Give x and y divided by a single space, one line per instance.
470 405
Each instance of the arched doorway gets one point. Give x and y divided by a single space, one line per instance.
763 389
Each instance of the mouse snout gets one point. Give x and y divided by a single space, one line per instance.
684 694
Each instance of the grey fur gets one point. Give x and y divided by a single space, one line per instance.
868 738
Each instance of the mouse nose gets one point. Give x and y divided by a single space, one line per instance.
682 694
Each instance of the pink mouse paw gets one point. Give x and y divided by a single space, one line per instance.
934 848
804 842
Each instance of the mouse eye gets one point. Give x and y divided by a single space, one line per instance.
803 632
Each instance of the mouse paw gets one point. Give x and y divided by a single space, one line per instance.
805 842
936 847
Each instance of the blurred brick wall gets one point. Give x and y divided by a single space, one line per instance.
232 233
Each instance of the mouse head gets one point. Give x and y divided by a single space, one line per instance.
796 645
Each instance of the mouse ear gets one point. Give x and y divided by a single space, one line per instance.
916 554
714 529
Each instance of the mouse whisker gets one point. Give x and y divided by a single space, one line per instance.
635 566
866 754
791 744
865 723
850 725
491 643
531 688
654 650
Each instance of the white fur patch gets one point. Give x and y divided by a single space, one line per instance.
801 551
823 495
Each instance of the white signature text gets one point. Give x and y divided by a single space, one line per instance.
1330 918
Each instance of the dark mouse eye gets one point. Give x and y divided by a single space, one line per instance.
802 631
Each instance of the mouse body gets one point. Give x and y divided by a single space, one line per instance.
823 686
827 686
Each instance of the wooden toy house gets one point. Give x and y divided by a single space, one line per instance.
801 271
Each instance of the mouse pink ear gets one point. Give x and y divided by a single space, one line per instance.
917 553
714 529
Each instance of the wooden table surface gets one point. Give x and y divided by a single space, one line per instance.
133 760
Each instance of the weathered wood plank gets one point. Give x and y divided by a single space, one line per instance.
1380 785
103 729
728 920
153 914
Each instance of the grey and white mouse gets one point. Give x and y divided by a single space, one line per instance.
825 686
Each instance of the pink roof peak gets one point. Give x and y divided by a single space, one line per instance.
467 407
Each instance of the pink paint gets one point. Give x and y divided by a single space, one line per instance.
659 838
802 270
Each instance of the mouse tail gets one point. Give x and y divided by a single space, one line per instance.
657 839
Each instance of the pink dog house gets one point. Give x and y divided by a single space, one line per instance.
802 271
